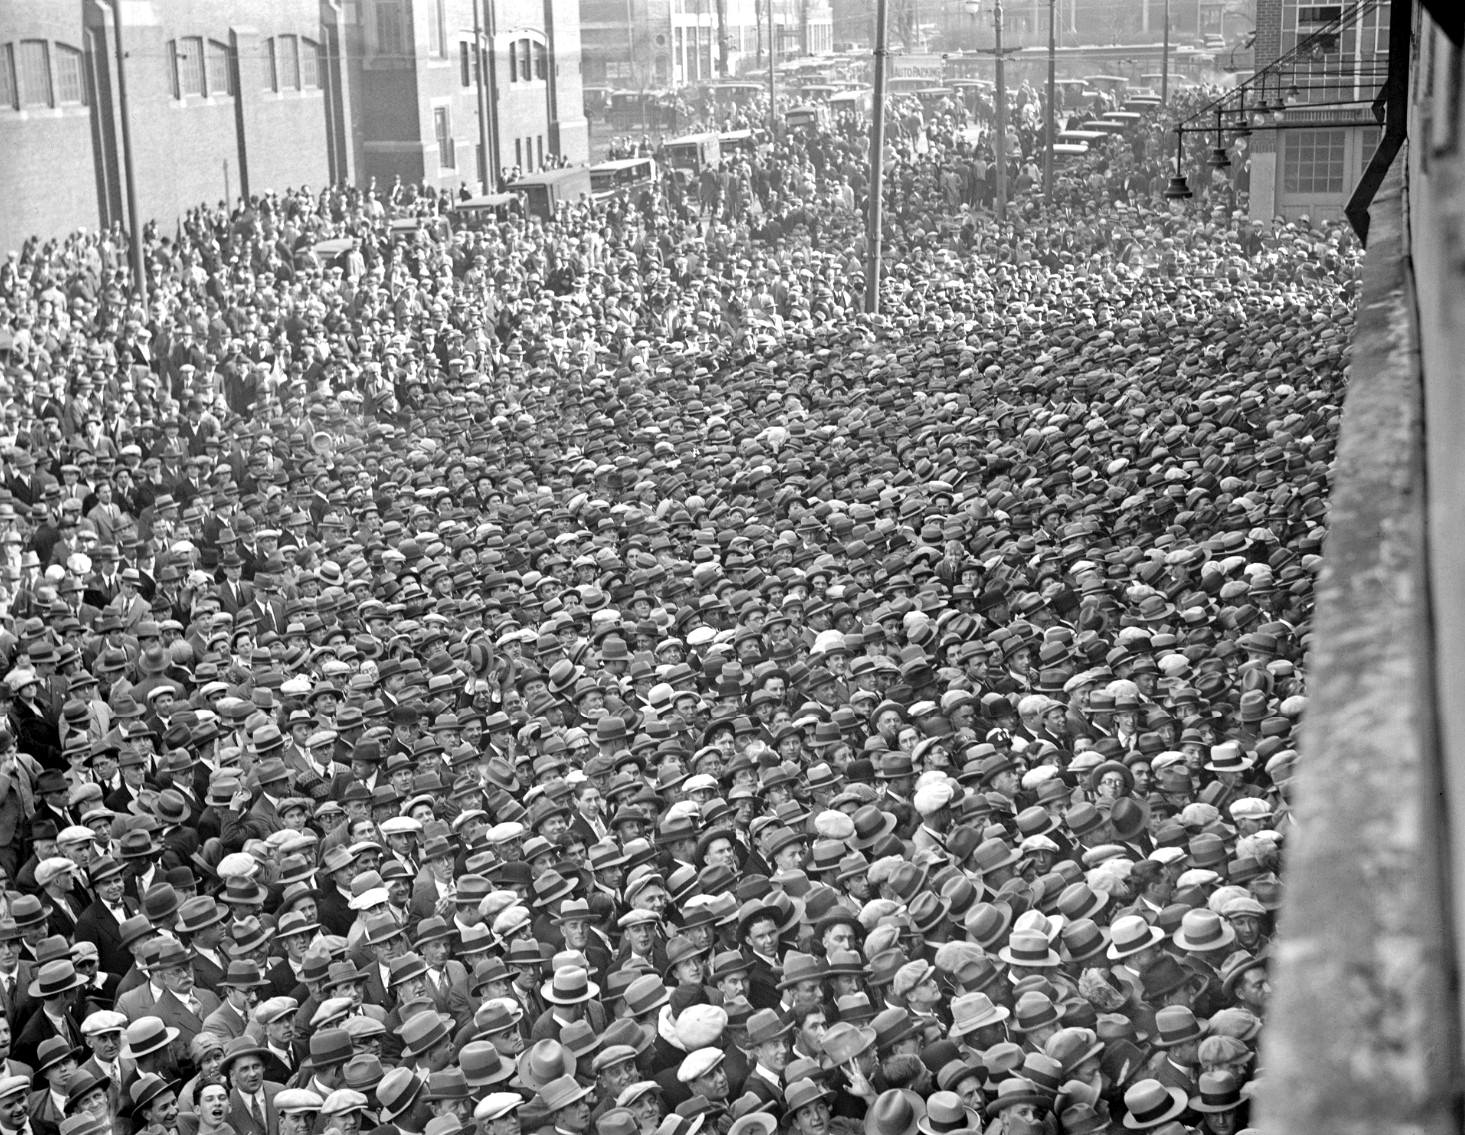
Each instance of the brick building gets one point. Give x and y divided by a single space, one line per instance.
226 97
1311 166
418 84
212 89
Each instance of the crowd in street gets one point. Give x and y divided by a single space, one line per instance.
582 675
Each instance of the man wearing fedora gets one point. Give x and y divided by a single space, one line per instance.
571 997
768 1044
241 985
251 1099
179 1002
758 932
54 988
56 1060
100 921
1176 1039
57 878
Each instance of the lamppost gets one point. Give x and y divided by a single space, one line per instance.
129 178
1052 110
1165 58
875 207
772 80
485 156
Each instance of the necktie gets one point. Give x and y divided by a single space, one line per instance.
254 1111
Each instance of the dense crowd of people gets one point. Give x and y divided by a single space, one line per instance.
580 674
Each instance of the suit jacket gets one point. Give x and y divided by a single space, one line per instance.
138 1002
12 999
38 740
763 990
425 894
60 922
264 811
243 1123
225 1021
333 911
452 996
764 1090
126 1070
39 1029
178 1015
206 974
269 612
45 1117
232 599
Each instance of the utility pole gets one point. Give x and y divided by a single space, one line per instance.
1001 163
483 159
1049 131
129 178
1165 59
875 208
772 82
722 38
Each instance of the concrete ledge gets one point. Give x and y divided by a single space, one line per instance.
1362 1035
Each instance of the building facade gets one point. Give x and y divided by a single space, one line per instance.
647 45
434 80
1309 167
213 99
211 90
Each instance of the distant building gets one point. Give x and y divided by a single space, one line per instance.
413 70
242 96
665 44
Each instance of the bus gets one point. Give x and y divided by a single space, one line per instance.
544 193
738 142
622 176
806 119
1126 118
488 208
692 153
1110 84
858 103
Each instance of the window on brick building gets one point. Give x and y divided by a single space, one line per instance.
437 29
220 72
70 84
310 66
541 61
465 64
7 77
442 126
514 62
526 64
288 62
187 56
390 39
35 73
1314 162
